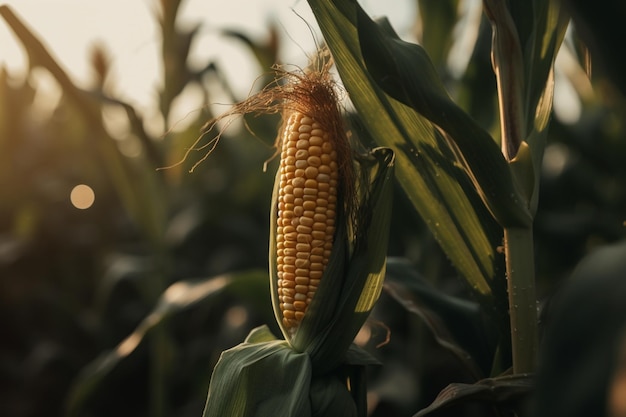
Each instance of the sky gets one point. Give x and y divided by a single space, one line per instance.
129 32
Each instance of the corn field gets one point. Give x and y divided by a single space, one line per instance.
384 231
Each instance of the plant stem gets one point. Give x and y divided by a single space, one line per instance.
520 267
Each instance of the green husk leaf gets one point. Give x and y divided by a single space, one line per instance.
327 341
260 379
351 283
333 277
265 377
331 398
359 356
260 334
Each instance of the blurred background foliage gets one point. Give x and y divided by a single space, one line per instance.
123 308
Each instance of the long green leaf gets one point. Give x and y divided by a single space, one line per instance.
425 166
549 24
405 72
179 296
457 325
493 391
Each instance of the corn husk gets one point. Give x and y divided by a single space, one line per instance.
317 371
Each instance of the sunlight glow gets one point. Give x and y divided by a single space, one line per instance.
236 316
555 159
129 33
82 196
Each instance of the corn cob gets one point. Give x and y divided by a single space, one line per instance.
315 167
307 206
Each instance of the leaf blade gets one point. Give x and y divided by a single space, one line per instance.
178 297
260 379
456 220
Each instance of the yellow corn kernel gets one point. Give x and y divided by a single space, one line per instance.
307 182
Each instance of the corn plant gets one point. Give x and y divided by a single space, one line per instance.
478 197
329 227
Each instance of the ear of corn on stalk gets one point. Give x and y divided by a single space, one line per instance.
329 227
314 192
265 376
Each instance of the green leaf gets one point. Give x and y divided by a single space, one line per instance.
178 297
260 379
425 166
331 398
260 334
457 325
437 21
267 377
550 24
587 321
548 27
501 390
406 73
526 40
